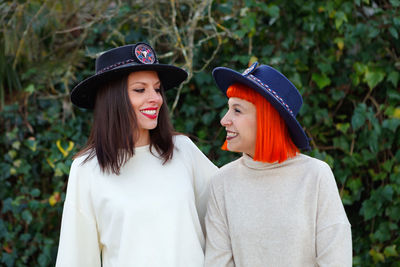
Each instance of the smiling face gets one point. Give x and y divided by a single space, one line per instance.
144 91
240 123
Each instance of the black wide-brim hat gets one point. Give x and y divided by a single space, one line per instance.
121 61
276 88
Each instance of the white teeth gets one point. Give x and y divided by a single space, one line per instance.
231 134
148 111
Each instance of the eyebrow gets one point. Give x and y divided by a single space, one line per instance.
143 83
237 105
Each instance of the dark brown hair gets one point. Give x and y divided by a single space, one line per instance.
113 133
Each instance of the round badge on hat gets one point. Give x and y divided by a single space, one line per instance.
144 54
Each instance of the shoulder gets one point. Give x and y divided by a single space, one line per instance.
84 166
225 172
321 173
314 165
185 145
181 140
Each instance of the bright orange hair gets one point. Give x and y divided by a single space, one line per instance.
273 143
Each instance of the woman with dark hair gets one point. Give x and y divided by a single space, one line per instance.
137 192
273 206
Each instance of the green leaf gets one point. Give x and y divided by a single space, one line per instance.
395 3
368 209
321 79
382 234
360 68
341 142
393 32
373 78
394 77
359 117
30 88
373 32
396 20
392 124
27 216
387 192
273 11
340 17
393 213
390 251
35 192
343 127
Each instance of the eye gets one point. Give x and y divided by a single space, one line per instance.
139 90
158 90
236 110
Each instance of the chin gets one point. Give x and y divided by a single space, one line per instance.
232 148
152 127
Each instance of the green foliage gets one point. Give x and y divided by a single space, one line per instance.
342 55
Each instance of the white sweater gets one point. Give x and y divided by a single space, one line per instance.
149 215
287 214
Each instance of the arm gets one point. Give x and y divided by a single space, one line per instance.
203 169
79 245
333 239
218 242
334 246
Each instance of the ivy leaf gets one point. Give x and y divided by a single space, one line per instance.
340 17
27 216
374 77
391 124
395 3
387 192
368 209
321 80
393 32
343 127
390 251
358 118
394 77
339 42
360 68
274 11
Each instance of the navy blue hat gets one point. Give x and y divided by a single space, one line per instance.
120 61
275 87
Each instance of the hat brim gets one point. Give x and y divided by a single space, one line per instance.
225 77
84 94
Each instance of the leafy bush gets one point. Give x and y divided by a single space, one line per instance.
344 57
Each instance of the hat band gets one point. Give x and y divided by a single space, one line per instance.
266 87
115 65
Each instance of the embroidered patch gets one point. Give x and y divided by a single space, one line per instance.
250 69
144 54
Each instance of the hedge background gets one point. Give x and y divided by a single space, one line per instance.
343 55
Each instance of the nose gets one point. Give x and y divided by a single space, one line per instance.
154 95
225 121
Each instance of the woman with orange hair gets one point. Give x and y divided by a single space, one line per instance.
274 206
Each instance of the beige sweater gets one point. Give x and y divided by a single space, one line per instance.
287 214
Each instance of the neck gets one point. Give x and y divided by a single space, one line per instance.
144 138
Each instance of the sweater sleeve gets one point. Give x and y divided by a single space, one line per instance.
218 243
79 243
203 169
333 239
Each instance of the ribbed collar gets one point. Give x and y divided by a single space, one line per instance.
258 165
